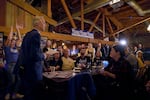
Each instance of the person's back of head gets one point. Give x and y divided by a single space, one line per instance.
120 49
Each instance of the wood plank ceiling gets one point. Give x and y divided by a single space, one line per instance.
128 18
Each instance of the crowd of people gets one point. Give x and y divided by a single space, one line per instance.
26 61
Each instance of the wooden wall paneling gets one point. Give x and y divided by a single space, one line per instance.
28 8
21 17
28 20
2 12
9 15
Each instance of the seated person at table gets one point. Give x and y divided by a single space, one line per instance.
90 51
68 63
148 86
74 50
118 75
46 61
56 62
98 58
83 61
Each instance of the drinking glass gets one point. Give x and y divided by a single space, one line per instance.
52 68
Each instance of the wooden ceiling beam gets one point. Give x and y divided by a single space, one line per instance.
82 14
68 14
104 34
109 24
58 36
94 22
91 23
32 10
88 8
49 10
6 30
135 24
112 18
74 38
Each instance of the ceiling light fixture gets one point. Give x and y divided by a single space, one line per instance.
113 2
148 28
116 4
123 42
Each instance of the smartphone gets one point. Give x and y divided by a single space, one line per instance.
105 63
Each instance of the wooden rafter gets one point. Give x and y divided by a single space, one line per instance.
32 10
135 24
68 14
109 24
112 18
58 36
49 11
88 8
91 23
104 26
82 14
94 22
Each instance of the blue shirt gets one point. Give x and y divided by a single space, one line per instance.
11 54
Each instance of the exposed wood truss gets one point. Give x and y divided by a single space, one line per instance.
126 28
104 34
94 22
90 22
93 6
109 24
112 18
68 14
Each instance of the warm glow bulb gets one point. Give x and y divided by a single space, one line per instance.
63 43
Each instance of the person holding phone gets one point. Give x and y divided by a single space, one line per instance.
118 75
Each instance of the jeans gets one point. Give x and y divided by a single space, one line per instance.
11 77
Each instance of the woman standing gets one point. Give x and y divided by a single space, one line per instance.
11 55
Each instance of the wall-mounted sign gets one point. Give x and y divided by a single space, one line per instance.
81 33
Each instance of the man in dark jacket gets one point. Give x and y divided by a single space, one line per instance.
32 57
